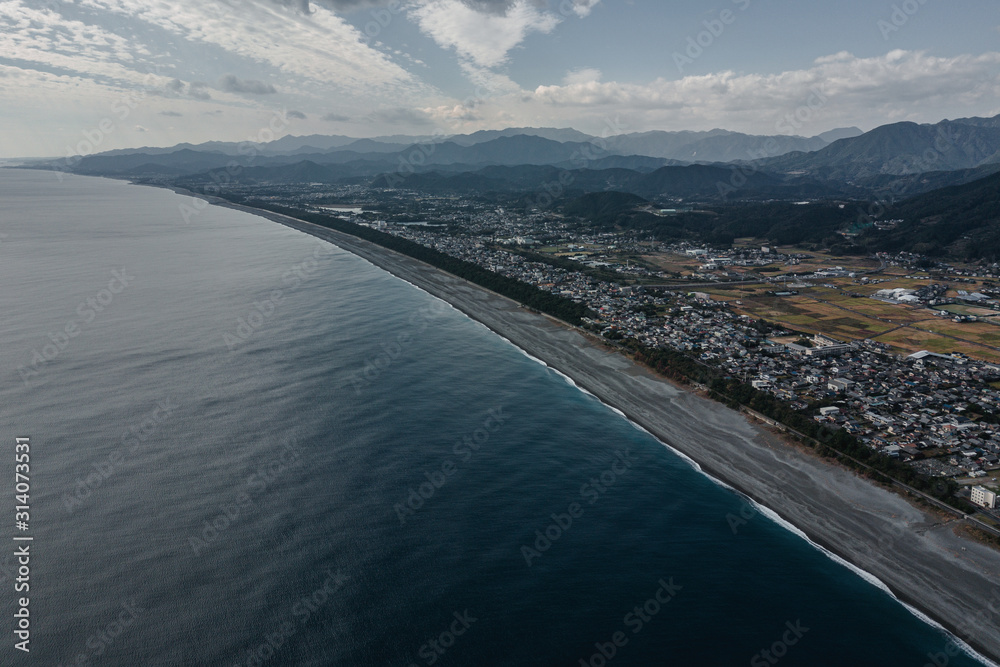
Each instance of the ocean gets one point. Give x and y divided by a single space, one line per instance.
249 447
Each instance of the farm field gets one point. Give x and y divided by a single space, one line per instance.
681 264
910 340
982 332
869 318
803 313
829 307
962 309
895 283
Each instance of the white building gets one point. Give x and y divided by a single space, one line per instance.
984 497
823 346
839 384
898 294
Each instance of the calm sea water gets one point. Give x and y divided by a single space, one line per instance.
252 448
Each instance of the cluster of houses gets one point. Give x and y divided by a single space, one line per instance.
915 408
934 294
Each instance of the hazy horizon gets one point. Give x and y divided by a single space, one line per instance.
155 74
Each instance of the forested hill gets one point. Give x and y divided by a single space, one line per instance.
961 222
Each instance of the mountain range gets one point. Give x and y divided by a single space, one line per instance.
710 146
846 157
899 149
956 161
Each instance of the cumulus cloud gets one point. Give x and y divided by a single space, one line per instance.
296 114
231 83
172 114
841 88
484 32
335 118
480 37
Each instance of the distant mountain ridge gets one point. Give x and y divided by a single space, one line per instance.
839 154
665 183
898 160
840 133
551 133
712 146
688 146
898 149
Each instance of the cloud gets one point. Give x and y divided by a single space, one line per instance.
318 48
230 83
296 114
484 32
482 38
497 7
173 114
581 8
301 5
459 112
335 118
582 76
41 38
402 116
195 89
340 5
500 7
841 89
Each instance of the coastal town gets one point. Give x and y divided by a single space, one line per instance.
938 412
936 409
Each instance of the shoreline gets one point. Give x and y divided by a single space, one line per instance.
942 577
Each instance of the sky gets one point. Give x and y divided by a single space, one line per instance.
85 76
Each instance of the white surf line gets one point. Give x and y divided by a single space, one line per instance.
871 579
766 511
792 528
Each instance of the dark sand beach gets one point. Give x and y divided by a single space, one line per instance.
918 554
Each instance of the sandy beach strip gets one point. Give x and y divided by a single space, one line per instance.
919 556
